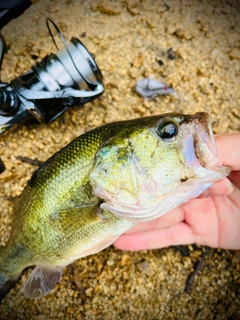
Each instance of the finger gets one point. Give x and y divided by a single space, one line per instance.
202 218
178 234
229 220
228 149
235 178
220 188
234 197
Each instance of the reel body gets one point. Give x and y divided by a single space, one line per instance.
67 78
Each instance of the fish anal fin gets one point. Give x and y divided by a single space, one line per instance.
41 281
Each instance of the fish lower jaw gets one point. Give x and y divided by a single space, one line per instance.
171 201
131 214
184 192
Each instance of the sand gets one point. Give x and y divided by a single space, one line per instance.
130 41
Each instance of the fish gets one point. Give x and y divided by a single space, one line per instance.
102 183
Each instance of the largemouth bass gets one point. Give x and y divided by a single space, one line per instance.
97 187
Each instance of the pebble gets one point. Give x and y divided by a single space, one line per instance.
235 53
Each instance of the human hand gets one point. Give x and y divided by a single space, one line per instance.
212 220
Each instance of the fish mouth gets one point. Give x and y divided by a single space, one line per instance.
199 148
204 144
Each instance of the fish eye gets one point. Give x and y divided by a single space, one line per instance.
167 129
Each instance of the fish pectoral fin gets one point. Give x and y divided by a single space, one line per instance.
96 247
103 244
41 281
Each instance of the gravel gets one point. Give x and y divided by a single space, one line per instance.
193 46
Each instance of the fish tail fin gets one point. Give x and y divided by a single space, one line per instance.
6 284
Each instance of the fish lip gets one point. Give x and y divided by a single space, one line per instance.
200 149
199 145
204 143
197 118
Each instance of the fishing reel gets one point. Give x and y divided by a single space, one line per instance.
67 78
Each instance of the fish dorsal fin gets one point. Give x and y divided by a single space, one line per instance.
41 281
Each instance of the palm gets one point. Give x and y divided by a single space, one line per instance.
213 221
